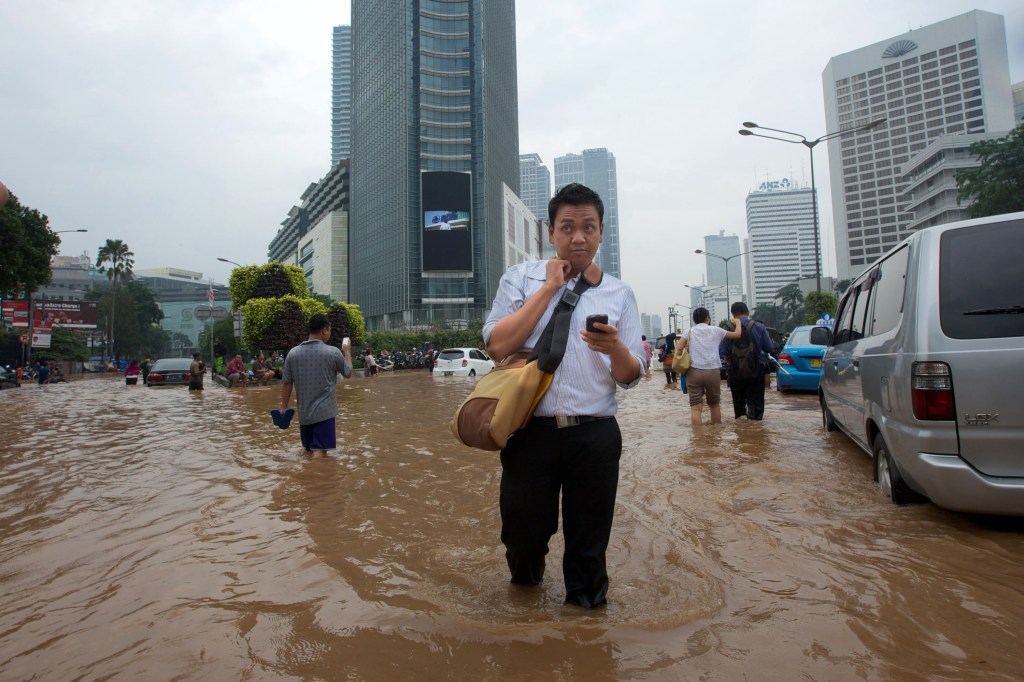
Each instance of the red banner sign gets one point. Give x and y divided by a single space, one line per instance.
68 314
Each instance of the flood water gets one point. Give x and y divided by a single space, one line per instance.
154 534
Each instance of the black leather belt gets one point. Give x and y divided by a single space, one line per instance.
566 421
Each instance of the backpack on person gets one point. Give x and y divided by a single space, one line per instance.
743 360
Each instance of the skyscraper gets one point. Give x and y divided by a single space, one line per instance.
534 184
780 223
434 136
341 94
946 78
595 168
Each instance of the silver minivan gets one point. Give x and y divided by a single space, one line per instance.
925 366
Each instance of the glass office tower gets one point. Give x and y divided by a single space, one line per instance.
434 136
341 94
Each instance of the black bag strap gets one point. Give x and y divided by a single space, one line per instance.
550 348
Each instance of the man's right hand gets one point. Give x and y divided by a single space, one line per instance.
558 272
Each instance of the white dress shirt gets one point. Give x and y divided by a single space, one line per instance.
583 383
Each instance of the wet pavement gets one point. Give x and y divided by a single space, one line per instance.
156 534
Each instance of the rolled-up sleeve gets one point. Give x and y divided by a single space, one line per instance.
510 298
629 332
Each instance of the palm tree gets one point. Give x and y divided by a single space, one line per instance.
116 253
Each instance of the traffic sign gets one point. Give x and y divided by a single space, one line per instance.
23 338
218 313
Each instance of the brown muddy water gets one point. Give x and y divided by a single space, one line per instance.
154 534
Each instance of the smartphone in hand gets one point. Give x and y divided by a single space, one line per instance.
591 319
346 342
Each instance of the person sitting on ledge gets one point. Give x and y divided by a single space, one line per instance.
235 372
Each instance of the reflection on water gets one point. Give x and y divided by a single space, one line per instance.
161 534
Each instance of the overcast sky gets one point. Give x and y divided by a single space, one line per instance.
188 128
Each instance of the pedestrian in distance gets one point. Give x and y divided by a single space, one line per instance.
747 363
570 448
196 372
704 378
132 372
312 368
146 363
262 370
648 353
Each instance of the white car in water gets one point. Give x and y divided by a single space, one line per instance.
462 362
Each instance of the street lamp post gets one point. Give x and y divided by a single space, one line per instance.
726 260
811 144
235 313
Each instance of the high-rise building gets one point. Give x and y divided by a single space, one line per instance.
930 174
781 249
314 236
434 136
341 94
595 168
534 184
722 273
946 78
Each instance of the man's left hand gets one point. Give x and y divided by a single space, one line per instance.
605 340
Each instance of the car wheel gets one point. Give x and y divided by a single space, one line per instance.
890 482
827 420
472 372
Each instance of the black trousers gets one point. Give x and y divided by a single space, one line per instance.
582 463
748 397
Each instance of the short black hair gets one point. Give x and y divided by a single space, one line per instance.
575 194
318 323
196 356
700 315
740 308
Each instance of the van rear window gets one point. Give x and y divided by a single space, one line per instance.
981 281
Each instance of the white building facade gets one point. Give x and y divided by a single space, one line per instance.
781 248
951 77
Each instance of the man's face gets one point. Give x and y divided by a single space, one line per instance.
576 235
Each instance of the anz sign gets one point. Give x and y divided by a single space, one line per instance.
775 185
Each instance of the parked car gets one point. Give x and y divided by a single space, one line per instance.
8 378
462 362
924 362
170 372
799 362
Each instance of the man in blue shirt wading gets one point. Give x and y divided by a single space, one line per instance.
571 446
747 362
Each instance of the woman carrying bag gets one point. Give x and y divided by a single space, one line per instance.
704 377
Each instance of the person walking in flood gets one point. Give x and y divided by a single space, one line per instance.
747 362
704 378
312 368
571 446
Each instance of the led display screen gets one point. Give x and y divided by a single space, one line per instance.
447 218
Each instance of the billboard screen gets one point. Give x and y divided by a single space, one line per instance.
447 201
67 314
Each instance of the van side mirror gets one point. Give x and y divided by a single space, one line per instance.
821 336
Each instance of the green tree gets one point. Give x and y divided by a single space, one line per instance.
65 345
841 286
997 185
115 259
791 298
27 245
137 328
816 303
769 314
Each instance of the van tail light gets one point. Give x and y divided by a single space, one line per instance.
932 388
785 359
465 362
